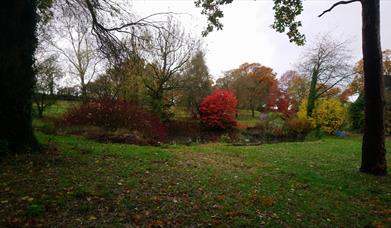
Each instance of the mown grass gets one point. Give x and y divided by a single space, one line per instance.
78 182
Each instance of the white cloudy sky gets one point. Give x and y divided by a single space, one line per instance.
247 36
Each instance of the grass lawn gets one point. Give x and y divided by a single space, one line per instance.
58 108
77 182
245 117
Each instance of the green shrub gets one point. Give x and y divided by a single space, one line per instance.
224 138
356 113
314 134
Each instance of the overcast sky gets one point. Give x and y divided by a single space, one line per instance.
247 36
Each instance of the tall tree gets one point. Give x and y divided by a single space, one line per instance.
196 83
123 80
124 75
168 51
48 73
285 15
251 83
18 21
373 148
73 40
295 86
326 64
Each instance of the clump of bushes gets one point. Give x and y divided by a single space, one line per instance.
329 115
293 129
218 110
297 128
121 121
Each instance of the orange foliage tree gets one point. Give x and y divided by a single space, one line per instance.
251 83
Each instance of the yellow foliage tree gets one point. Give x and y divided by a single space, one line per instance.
329 114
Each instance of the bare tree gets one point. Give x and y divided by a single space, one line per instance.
327 64
48 73
73 40
167 53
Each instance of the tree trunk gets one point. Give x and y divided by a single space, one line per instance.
84 94
157 104
83 88
373 149
312 92
17 45
40 113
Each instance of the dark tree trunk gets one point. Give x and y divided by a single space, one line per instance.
40 112
373 149
84 94
17 45
40 104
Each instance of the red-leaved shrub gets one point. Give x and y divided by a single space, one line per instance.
218 110
113 114
280 102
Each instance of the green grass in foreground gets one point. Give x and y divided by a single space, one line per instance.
82 183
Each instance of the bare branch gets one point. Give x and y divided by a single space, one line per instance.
319 94
336 4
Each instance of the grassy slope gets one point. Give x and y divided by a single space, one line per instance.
83 183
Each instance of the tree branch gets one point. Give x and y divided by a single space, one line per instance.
331 86
336 4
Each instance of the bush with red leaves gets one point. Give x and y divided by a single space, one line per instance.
218 110
279 101
113 114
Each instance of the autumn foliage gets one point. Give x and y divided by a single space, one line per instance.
218 110
114 114
280 101
329 114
